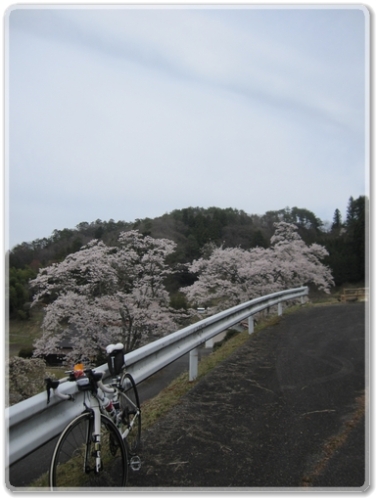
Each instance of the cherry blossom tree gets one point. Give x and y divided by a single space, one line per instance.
230 276
103 294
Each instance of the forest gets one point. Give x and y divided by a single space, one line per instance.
195 231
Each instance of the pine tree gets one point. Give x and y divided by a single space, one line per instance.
337 220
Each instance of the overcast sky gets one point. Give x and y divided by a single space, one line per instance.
124 113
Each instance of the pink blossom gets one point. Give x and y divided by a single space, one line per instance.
102 295
230 276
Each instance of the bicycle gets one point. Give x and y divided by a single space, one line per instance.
97 447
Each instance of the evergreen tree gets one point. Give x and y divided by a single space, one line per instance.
356 234
337 221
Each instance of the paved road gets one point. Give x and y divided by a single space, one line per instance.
284 411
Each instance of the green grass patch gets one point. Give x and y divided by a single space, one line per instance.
23 333
20 338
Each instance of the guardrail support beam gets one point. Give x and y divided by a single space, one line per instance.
279 308
251 325
193 364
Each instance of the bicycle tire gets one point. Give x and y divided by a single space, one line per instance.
72 465
131 412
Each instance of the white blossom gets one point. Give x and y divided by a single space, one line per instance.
230 276
102 295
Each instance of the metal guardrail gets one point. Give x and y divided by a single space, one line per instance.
32 423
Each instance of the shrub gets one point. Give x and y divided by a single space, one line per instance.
25 378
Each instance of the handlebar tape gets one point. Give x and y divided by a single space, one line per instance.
50 384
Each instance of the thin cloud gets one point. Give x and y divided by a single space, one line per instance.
126 113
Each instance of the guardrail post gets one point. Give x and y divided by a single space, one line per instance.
279 308
251 325
193 364
209 343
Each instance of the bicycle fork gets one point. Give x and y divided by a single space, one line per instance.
93 443
97 439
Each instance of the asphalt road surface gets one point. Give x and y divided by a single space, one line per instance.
286 410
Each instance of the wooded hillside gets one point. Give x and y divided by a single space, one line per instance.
193 229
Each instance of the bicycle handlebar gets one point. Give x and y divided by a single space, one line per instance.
95 379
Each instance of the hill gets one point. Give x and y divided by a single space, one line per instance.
193 229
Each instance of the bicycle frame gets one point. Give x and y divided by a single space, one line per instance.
116 385
95 408
115 416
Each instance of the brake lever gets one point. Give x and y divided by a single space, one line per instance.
50 384
54 384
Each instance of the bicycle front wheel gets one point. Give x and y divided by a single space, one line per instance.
73 462
131 414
